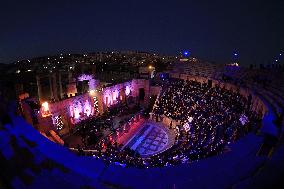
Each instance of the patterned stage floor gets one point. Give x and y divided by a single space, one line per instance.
151 139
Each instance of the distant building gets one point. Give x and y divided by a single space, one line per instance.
147 72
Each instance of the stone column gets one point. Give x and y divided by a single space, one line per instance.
50 87
38 88
70 76
54 86
102 106
60 85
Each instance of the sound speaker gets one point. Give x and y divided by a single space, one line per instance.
141 94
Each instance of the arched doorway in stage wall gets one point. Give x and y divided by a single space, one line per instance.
92 83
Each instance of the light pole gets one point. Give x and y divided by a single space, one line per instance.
235 57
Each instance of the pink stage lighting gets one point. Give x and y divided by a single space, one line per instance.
127 90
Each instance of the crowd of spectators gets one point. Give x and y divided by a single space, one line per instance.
209 118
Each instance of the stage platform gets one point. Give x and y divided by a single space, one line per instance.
150 138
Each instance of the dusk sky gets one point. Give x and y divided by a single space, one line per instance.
210 30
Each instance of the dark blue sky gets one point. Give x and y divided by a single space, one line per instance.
211 30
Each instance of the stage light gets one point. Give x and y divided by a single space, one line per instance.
45 106
76 113
92 92
45 109
87 108
96 105
58 122
127 90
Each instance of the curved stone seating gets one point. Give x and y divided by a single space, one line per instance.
271 99
60 168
